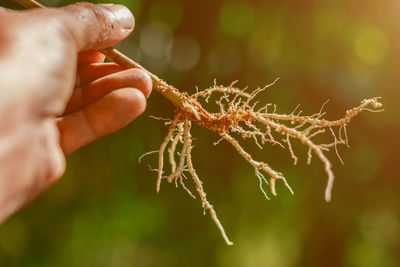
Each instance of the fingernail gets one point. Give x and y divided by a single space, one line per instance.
123 14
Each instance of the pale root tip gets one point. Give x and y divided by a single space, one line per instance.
272 186
378 104
328 198
170 178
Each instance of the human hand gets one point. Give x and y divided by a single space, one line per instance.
56 94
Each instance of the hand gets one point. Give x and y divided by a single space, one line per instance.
56 94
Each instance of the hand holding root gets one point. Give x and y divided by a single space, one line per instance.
238 116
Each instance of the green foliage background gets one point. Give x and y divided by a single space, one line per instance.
105 212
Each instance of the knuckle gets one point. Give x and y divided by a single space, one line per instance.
55 159
56 169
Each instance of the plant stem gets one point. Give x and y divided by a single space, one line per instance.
168 91
29 3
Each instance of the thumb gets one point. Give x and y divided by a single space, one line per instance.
98 26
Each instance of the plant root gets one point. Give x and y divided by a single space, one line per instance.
239 118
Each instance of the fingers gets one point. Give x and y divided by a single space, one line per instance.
95 90
107 115
90 56
88 73
97 26
56 35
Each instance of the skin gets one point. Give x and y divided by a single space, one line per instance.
57 94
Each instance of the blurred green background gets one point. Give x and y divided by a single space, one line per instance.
105 211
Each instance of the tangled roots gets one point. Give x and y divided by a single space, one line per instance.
239 117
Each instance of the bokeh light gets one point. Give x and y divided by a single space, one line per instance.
154 39
183 52
237 18
371 45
